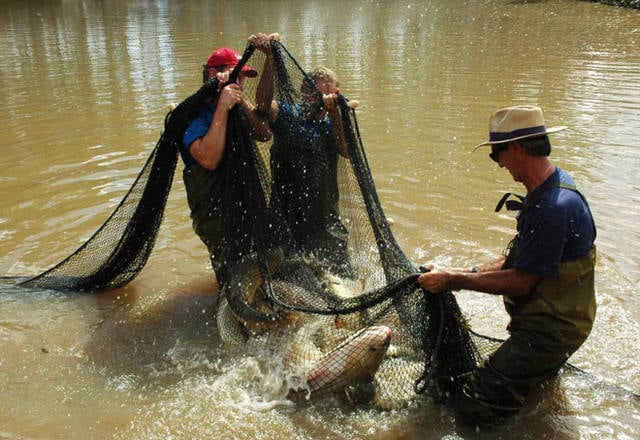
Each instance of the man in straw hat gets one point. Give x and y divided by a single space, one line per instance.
546 276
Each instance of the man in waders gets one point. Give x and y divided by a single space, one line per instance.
203 150
546 276
308 142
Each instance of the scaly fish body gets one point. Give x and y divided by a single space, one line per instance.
243 291
356 360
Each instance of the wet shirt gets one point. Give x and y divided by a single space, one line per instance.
304 159
293 128
555 226
197 128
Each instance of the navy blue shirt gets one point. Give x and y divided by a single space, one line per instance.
556 225
293 129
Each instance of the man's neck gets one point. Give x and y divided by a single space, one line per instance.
539 172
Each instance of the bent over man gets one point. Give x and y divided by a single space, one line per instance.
546 277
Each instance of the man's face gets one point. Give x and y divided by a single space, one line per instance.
311 97
327 87
507 155
309 93
223 72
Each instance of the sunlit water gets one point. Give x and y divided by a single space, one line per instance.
85 87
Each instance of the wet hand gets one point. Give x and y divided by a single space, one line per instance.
434 281
330 101
230 96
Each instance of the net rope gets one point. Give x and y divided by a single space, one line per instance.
305 240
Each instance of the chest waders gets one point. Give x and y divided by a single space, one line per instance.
563 308
204 192
546 327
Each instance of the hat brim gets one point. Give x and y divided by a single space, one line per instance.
249 71
543 133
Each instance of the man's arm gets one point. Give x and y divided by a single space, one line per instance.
208 149
330 104
260 130
496 264
264 94
509 282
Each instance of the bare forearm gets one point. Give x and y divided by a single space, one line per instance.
208 149
486 267
496 282
508 282
338 131
492 265
259 127
264 93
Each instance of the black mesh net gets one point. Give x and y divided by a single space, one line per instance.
118 251
309 252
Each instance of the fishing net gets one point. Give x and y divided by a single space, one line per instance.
310 254
119 249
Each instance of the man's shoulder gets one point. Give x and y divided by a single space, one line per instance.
564 178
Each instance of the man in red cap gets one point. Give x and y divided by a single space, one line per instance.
222 60
204 143
546 277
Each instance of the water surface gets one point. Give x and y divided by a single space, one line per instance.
85 87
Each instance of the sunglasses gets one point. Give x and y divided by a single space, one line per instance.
496 149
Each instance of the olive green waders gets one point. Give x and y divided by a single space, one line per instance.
204 196
546 327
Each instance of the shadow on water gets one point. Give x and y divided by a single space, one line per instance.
156 336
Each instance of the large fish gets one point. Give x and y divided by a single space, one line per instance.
245 300
244 290
355 361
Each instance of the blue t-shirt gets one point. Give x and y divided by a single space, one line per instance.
293 128
556 225
304 166
197 128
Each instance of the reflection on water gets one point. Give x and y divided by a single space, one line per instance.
85 87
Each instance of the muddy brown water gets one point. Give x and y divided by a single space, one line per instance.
85 87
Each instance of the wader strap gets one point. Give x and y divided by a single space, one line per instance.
523 203
512 205
515 205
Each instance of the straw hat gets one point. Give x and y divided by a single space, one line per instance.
518 122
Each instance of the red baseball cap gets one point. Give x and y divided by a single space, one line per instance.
226 56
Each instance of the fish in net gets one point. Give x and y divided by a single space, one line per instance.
306 241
